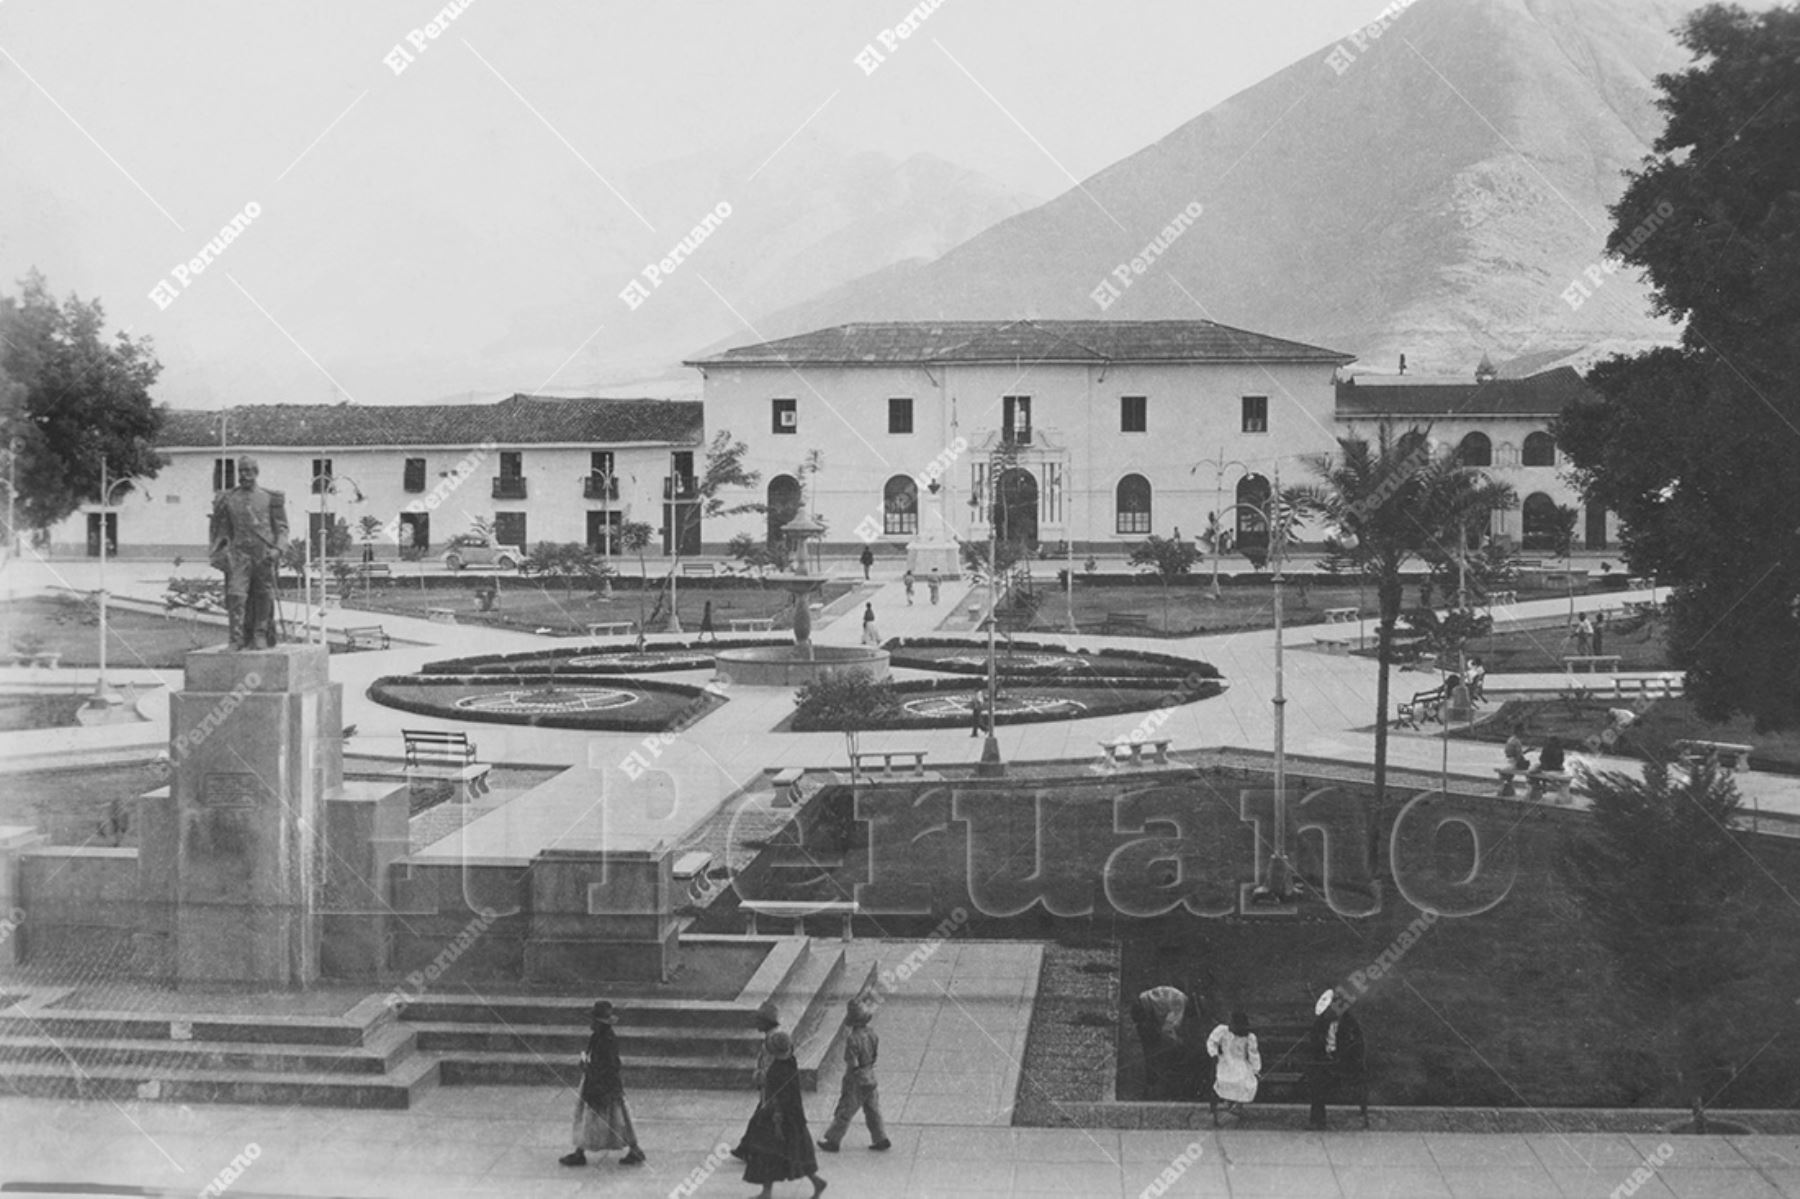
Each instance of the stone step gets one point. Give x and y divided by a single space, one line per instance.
502 1011
398 1088
136 1026
536 1070
385 1050
569 1040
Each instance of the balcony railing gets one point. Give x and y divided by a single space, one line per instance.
594 487
680 489
509 487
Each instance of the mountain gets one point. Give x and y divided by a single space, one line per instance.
1434 190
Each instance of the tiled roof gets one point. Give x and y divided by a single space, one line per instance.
518 420
1538 395
1022 341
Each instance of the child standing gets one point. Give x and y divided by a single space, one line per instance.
860 1051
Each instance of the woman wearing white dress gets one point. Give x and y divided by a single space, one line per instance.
1233 1048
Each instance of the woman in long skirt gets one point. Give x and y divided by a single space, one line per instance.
1238 1065
778 1146
602 1121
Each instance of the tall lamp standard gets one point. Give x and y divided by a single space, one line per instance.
325 483
609 482
1220 464
675 498
106 494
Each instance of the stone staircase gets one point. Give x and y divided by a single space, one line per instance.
664 1043
361 1059
375 1056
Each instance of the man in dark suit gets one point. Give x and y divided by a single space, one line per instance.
249 525
1337 1056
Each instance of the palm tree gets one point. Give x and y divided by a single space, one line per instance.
1389 502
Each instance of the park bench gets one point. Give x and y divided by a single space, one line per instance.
1663 686
798 910
751 624
1694 752
702 569
1333 645
49 659
786 783
367 636
446 757
887 757
690 864
1423 705
1134 623
1342 615
610 628
1502 598
441 615
1115 751
1593 660
1540 780
374 570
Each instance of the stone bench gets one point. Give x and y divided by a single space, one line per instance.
1342 615
751 624
610 628
1666 688
1125 750
887 757
1333 645
1594 662
691 864
441 615
702 569
369 636
798 910
1699 751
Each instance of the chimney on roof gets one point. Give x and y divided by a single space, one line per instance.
1403 364
1485 371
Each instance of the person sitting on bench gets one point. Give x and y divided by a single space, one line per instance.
1515 750
1550 758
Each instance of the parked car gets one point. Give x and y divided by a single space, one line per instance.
473 549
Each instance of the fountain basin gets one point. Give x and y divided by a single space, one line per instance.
790 666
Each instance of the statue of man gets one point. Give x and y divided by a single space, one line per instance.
249 525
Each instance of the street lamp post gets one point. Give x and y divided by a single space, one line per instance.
106 492
325 483
674 622
990 748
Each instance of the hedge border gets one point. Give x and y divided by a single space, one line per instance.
1208 689
700 702
477 663
1186 666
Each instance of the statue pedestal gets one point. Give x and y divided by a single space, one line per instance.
922 557
233 858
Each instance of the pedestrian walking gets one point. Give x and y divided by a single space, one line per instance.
602 1121
1337 1057
871 634
1584 636
932 583
1237 1065
907 578
778 1146
861 1049
706 623
1599 632
868 560
975 706
768 1021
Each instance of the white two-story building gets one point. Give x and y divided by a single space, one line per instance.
1115 429
540 469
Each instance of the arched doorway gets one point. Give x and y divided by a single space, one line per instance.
1539 518
1596 527
1476 450
1017 515
784 504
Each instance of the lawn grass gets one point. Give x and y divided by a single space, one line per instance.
1516 1006
1640 645
1661 723
528 604
71 626
20 712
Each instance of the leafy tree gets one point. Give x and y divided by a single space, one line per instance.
1169 558
69 399
849 700
1448 635
1562 543
1695 447
566 560
760 554
337 543
723 468
1388 502
1665 881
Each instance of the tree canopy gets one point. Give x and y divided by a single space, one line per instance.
1697 447
70 399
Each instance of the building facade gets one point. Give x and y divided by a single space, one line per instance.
1102 432
540 469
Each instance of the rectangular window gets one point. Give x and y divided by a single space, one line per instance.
413 477
1133 522
1015 420
509 528
1256 414
1134 414
321 474
512 464
224 474
601 482
785 415
900 416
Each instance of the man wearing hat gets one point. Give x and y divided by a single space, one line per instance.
602 1121
1336 1053
861 1048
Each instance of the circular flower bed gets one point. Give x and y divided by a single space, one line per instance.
947 703
590 659
559 701
1043 660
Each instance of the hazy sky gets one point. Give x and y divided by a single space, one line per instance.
405 222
